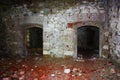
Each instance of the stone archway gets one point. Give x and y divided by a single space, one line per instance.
35 39
31 34
75 25
88 41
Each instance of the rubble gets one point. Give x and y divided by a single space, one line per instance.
36 79
112 71
6 78
52 75
66 69
118 74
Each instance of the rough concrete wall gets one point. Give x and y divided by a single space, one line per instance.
114 23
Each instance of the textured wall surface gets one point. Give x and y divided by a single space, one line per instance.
114 22
60 37
60 26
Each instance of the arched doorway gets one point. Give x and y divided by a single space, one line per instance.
88 41
34 40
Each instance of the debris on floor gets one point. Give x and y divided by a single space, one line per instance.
38 68
67 71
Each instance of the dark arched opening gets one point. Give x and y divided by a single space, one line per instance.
88 41
34 40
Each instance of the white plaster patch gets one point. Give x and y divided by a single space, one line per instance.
68 53
46 45
106 47
46 52
106 34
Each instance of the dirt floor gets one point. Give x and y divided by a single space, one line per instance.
43 68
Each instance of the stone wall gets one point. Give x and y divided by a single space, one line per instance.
60 30
114 24
59 26
17 20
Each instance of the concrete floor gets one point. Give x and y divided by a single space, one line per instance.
45 68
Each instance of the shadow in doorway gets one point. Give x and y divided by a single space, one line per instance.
88 41
35 41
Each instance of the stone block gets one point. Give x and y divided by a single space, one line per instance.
46 46
45 52
68 53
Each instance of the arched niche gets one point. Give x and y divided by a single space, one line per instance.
76 25
88 41
32 38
